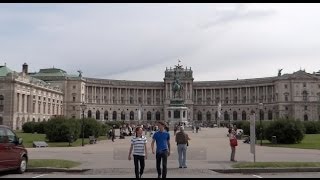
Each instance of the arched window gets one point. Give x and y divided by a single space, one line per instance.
148 115
235 115
1 120
114 115
106 117
169 114
97 114
226 116
158 116
244 115
18 123
208 116
1 103
131 115
199 116
123 116
305 117
89 114
270 115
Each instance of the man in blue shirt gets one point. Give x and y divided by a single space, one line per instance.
162 139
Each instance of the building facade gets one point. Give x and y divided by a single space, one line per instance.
295 95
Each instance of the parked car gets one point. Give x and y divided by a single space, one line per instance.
13 155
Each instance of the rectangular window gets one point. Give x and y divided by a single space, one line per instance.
285 86
74 99
74 87
39 107
44 108
286 98
304 84
34 107
305 107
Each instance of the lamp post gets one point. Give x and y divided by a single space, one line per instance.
139 113
83 108
260 108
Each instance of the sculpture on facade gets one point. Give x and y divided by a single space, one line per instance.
279 72
80 73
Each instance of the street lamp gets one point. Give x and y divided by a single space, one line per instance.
260 114
83 108
139 113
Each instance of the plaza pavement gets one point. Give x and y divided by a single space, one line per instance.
208 149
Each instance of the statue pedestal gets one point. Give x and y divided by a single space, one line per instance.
177 112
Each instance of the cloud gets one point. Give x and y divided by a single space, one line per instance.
240 12
128 41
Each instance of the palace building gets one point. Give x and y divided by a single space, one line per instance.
53 92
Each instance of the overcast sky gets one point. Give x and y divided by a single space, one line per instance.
138 41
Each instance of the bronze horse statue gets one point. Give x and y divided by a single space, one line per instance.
176 87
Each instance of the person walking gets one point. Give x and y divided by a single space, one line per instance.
139 147
182 140
162 139
233 144
175 129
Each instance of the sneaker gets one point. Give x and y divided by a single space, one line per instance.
180 166
159 176
140 175
185 167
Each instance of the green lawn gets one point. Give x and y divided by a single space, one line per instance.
28 138
275 164
56 163
310 141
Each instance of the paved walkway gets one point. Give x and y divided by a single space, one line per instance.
208 149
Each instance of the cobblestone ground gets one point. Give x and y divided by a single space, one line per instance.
209 149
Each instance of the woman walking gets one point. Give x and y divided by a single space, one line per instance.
233 143
138 145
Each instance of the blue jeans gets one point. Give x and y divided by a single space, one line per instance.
182 151
162 155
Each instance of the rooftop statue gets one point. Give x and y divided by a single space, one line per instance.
279 72
80 73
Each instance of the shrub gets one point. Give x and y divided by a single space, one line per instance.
104 129
28 127
245 126
287 131
59 129
312 127
92 128
39 127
